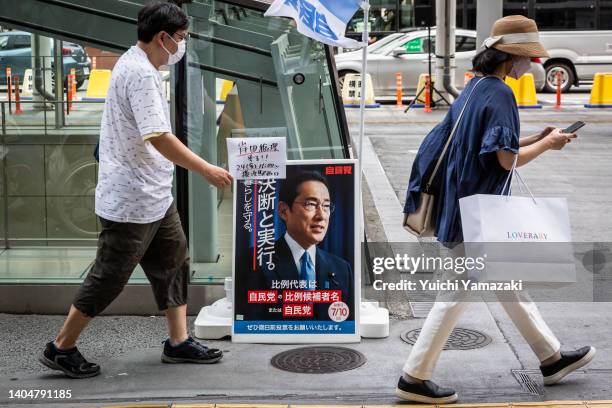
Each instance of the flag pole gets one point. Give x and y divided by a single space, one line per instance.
365 5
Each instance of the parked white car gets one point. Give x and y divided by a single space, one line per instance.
578 55
407 53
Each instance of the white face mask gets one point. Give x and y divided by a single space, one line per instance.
176 57
520 65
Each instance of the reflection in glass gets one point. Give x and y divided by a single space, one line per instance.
382 17
251 76
605 15
565 15
48 173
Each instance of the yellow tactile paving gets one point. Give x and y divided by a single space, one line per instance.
325 406
251 406
564 404
142 406
192 406
483 405
550 404
544 404
395 406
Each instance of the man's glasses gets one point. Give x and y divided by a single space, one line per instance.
312 206
183 37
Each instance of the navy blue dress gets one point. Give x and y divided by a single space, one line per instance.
490 123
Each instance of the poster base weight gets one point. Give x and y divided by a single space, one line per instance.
215 321
374 322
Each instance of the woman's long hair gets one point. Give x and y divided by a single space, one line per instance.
486 62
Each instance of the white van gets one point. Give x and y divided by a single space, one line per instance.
578 55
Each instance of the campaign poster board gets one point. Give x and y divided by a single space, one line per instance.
273 302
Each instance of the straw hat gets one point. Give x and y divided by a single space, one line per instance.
516 35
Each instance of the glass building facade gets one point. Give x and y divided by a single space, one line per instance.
243 76
389 16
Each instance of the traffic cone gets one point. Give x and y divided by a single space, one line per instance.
601 93
524 91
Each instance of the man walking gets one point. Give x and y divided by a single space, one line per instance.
140 223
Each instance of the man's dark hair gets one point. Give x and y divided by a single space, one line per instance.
158 16
290 187
486 62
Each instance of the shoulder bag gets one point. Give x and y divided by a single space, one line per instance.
422 222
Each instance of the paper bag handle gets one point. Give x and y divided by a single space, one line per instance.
508 183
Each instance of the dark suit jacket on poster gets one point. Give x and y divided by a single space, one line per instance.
326 264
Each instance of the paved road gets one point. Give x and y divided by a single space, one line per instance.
582 171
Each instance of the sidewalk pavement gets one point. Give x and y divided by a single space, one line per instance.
504 371
129 348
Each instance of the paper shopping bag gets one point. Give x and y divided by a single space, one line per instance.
519 238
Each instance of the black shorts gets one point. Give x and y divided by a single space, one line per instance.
161 249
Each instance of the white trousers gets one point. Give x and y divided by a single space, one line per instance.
444 316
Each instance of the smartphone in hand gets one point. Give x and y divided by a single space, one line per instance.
574 127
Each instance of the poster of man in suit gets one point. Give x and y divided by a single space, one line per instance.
295 255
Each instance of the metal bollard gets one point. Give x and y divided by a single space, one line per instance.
68 94
73 85
9 89
18 110
558 104
427 108
398 89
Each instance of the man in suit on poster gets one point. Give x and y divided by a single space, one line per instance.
305 207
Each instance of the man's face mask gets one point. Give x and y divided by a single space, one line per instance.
180 51
520 65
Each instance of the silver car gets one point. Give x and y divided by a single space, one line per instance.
407 53
577 55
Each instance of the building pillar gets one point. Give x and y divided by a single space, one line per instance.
487 11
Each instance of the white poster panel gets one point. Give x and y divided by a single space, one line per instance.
296 268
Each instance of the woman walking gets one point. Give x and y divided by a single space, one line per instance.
478 160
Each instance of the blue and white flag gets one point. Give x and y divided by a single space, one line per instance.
322 20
